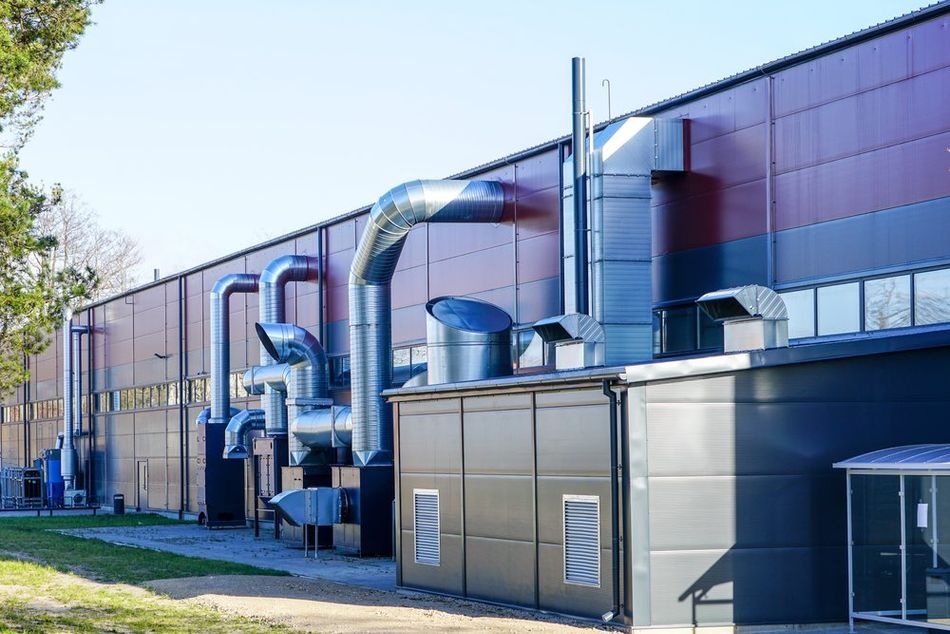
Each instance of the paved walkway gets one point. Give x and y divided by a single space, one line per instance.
241 546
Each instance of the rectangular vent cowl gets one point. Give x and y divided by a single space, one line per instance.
582 540
425 513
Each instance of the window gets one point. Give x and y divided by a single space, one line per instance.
340 371
932 297
418 355
710 332
839 309
581 517
173 393
801 313
425 514
400 358
678 329
887 303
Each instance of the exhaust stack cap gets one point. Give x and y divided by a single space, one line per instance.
578 340
753 317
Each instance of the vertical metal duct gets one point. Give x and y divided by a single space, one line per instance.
579 149
467 340
274 277
221 340
68 464
77 380
308 386
390 221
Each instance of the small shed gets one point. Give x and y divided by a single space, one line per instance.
899 535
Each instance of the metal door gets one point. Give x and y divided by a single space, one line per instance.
141 498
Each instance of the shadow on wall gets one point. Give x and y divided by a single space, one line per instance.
787 506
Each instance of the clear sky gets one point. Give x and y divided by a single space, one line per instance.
203 127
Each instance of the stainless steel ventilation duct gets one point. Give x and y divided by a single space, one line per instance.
753 317
235 436
274 278
578 340
325 428
72 375
276 375
308 386
467 340
221 340
628 156
390 221
579 148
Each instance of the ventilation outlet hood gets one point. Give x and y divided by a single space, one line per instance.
753 317
578 340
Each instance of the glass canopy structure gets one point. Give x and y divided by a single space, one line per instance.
899 536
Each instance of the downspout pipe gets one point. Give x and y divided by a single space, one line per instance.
614 504
274 278
235 436
579 150
390 221
221 340
309 381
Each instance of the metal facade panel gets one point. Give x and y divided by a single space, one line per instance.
572 440
552 489
895 113
776 511
887 177
496 570
557 596
484 270
447 242
450 499
537 300
499 507
408 325
430 443
409 286
722 215
685 275
539 258
499 442
446 577
538 173
710 587
538 213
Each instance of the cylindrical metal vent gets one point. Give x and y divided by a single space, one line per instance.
68 455
275 276
220 298
467 339
390 221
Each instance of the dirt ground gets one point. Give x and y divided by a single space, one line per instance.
311 605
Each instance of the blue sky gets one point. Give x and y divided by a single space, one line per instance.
205 127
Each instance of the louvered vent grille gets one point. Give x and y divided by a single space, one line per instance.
425 509
582 540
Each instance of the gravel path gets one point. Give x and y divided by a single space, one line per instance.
310 605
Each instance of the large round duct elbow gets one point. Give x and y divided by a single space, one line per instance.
389 223
467 339
219 309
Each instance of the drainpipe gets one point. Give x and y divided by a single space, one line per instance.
221 340
182 406
308 386
579 150
274 279
389 223
614 505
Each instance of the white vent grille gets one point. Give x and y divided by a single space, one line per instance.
582 540
425 513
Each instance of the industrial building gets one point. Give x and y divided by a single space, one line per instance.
618 391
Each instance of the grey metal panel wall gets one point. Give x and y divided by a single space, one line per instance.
747 518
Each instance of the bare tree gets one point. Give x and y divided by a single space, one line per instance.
81 242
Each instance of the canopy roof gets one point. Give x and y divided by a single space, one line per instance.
907 458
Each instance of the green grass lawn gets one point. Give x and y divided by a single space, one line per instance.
29 538
35 595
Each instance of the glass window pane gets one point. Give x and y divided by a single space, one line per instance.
801 313
400 357
887 303
679 329
839 309
932 297
922 564
710 332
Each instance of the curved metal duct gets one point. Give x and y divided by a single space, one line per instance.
276 375
235 436
324 428
275 276
753 317
221 339
390 221
466 339
308 384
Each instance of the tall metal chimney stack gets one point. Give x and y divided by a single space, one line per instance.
579 149
156 275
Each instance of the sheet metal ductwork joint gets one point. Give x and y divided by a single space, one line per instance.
221 340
